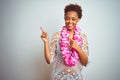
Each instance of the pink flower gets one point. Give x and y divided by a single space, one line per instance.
70 56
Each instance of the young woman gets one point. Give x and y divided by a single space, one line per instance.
68 50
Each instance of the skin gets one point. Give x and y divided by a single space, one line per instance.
71 19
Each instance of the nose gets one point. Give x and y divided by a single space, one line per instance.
70 21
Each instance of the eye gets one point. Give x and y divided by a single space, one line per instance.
66 18
73 19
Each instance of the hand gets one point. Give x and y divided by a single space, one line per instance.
44 35
74 44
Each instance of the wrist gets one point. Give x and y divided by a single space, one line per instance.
46 42
78 48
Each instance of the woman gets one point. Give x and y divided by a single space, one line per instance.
68 50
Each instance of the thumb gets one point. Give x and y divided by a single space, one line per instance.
70 39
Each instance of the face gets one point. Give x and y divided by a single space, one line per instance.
71 19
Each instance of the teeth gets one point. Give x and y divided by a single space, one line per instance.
70 25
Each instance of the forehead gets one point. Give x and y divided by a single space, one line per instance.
71 14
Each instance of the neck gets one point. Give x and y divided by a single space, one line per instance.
71 34
71 31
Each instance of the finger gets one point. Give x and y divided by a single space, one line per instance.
42 29
44 34
71 39
71 42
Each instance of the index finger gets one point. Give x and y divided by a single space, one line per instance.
70 39
42 29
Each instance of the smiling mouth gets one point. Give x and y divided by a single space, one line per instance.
70 25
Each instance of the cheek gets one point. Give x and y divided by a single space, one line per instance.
66 21
75 22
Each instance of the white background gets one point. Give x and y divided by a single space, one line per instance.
21 49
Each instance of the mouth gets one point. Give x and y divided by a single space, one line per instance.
70 25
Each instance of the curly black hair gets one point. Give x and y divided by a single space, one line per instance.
73 7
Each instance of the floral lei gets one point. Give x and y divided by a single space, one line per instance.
69 55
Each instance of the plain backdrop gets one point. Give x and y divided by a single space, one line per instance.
21 49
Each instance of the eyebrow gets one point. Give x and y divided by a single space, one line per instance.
71 17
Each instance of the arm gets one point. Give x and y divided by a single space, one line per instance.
82 51
44 37
82 55
47 52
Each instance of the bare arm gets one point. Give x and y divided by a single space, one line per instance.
81 53
44 37
47 52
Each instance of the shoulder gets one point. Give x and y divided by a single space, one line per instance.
56 36
83 35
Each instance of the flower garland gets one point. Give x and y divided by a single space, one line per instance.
69 55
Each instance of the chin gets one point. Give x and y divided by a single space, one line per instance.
70 27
